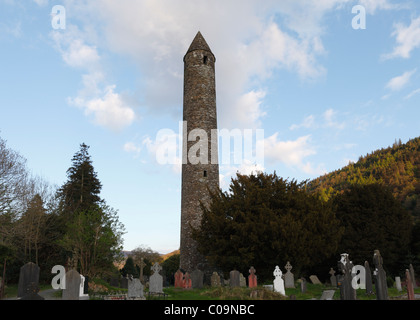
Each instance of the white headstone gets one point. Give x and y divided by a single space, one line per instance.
398 283
156 280
278 281
82 288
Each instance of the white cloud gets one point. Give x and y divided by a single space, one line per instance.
290 153
79 54
156 34
372 6
74 50
330 122
412 93
397 83
165 149
109 111
131 147
247 109
307 123
246 168
97 98
41 2
407 38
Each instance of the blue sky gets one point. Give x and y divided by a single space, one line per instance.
324 92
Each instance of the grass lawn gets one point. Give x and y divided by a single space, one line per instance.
227 293
239 293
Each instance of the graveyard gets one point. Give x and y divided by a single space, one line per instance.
349 285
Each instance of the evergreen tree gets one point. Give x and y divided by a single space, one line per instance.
82 189
130 269
170 266
373 219
264 221
92 232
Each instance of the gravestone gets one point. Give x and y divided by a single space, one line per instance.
234 278
156 280
72 290
289 278
379 277
303 285
242 280
32 292
345 266
327 295
141 266
179 279
314 279
29 274
252 278
135 289
413 277
410 289
197 279
82 293
398 284
333 278
187 281
114 282
215 280
124 282
268 287
278 281
368 279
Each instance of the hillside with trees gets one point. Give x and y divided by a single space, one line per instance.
397 167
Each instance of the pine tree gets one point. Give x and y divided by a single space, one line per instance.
129 268
92 234
82 189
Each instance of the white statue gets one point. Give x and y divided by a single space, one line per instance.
278 281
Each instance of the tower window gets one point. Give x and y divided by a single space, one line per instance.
205 59
205 174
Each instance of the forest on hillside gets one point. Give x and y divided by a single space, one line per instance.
396 167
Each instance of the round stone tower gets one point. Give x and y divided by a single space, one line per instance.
200 169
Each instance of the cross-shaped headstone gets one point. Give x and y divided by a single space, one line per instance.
289 279
277 272
333 278
252 278
252 270
142 265
156 268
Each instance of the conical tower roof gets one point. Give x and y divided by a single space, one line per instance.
199 43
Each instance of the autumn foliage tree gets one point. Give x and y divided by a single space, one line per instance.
264 221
